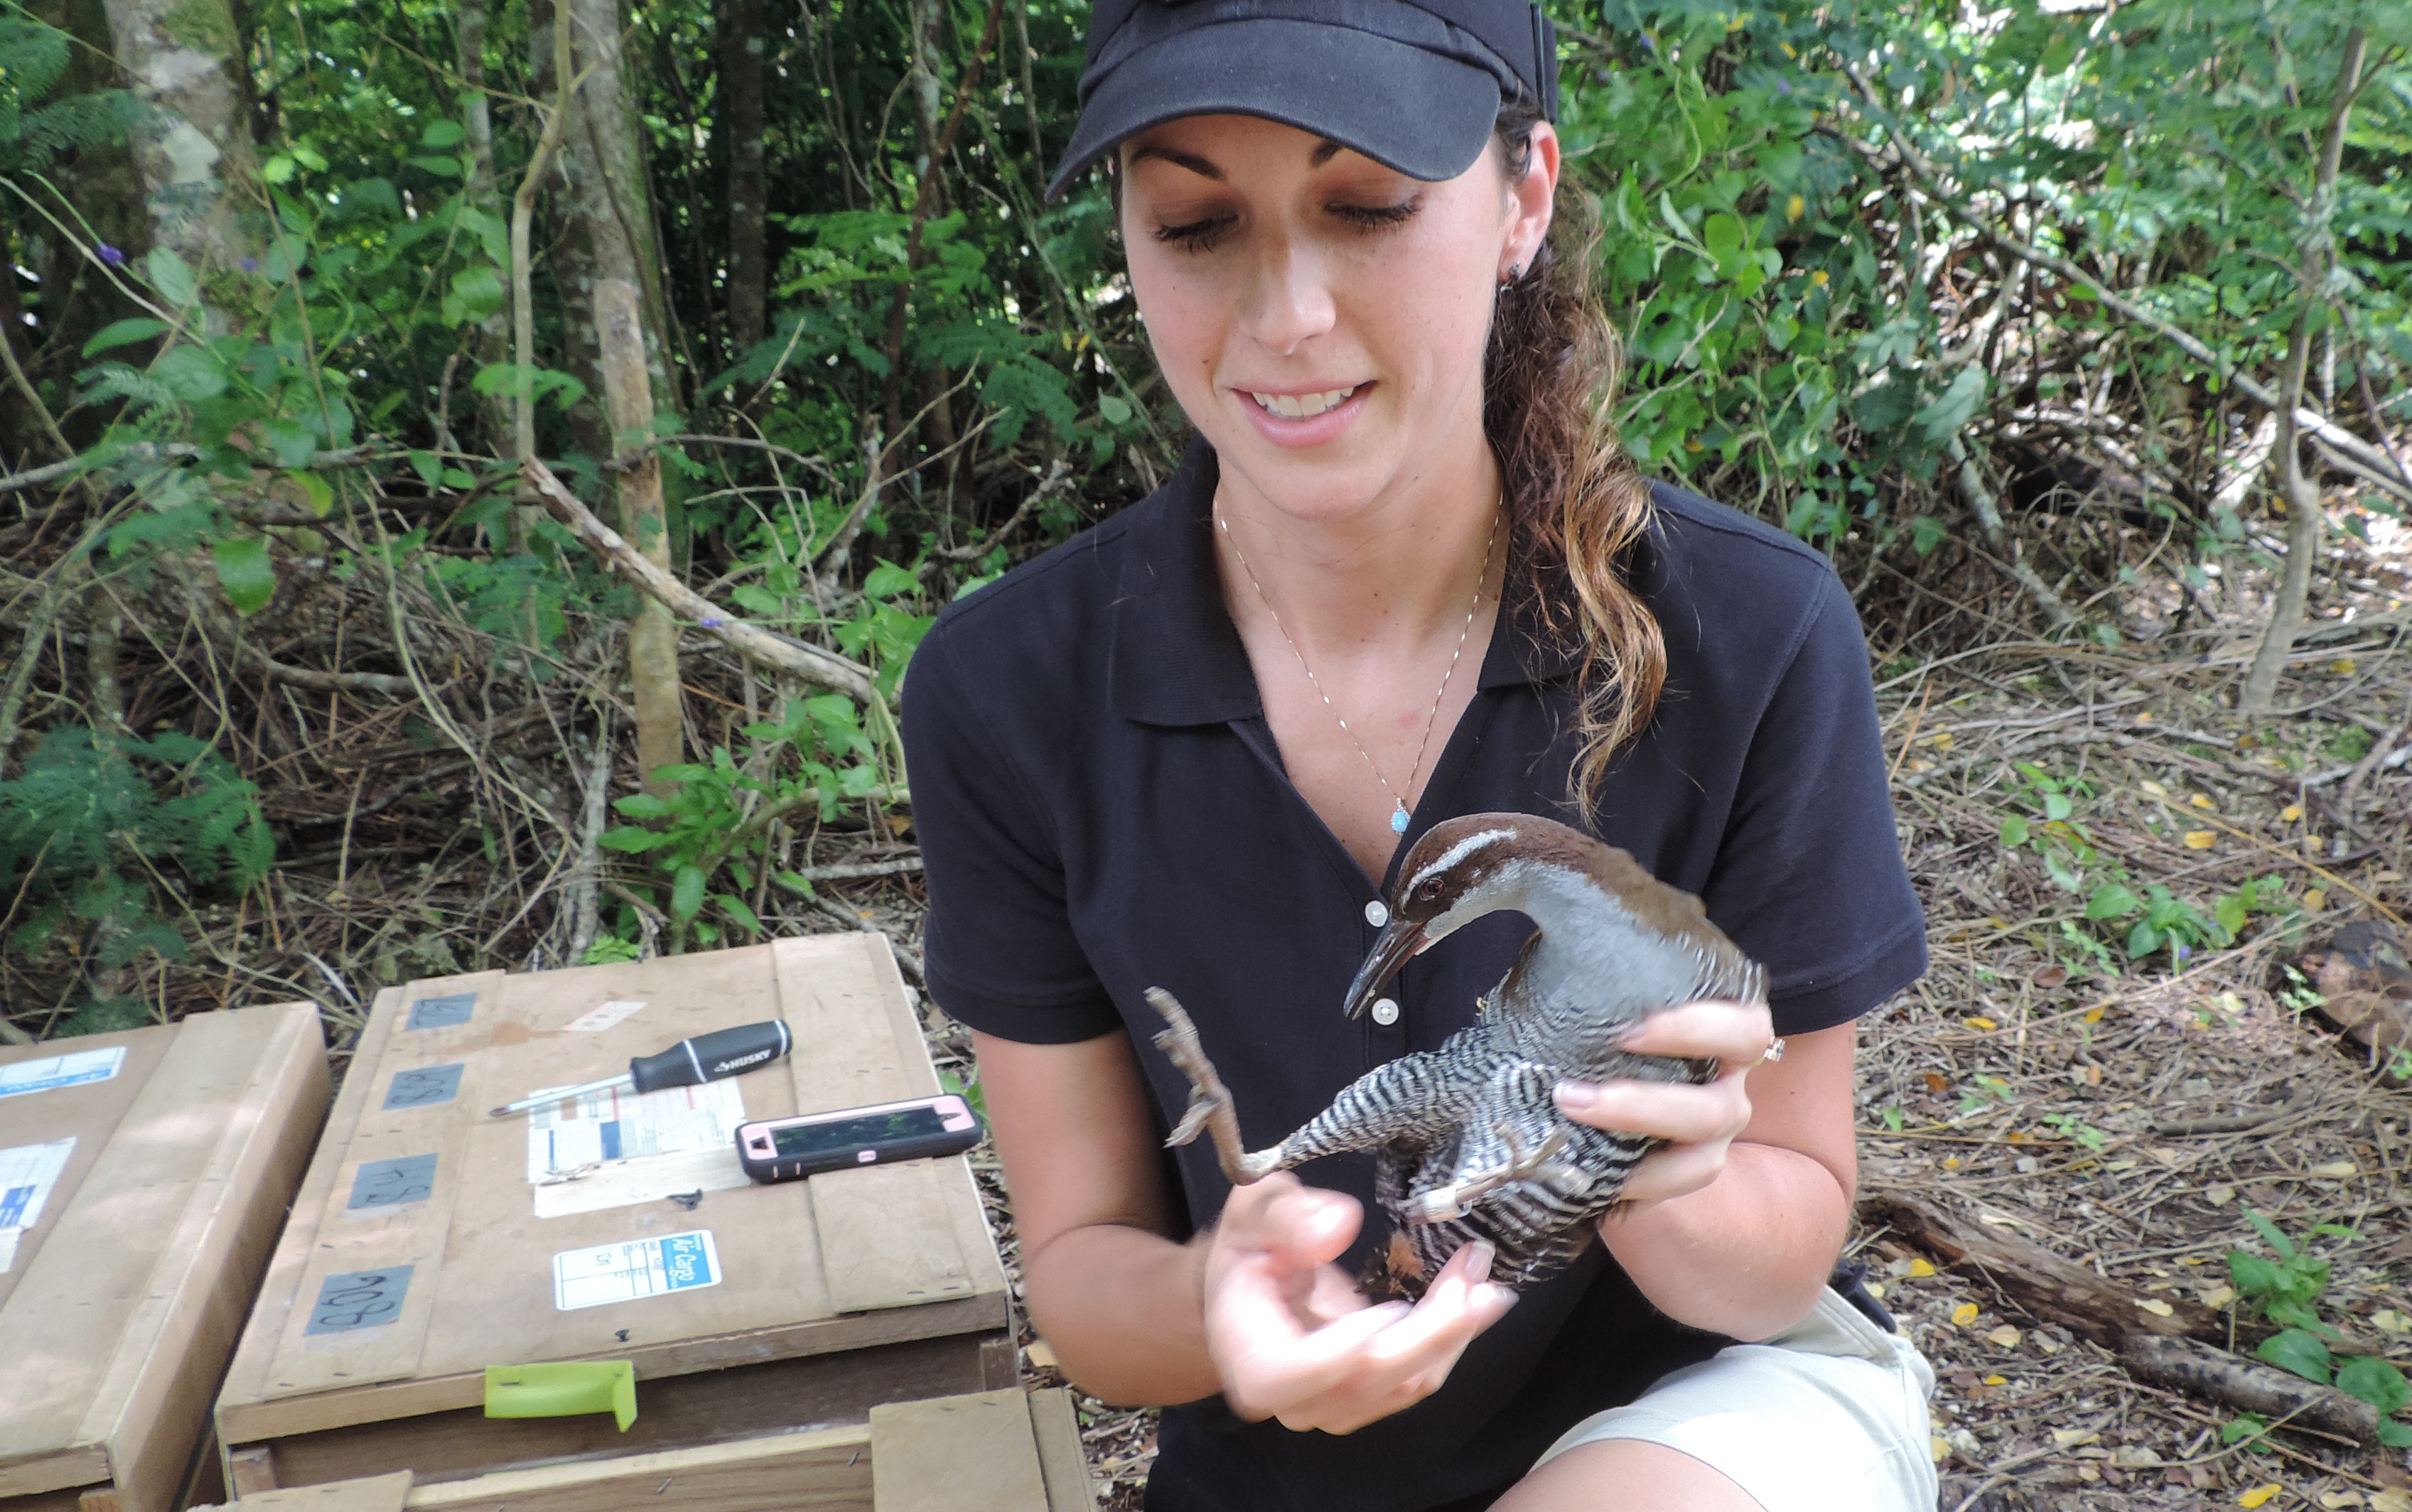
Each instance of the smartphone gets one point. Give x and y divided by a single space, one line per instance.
787 1148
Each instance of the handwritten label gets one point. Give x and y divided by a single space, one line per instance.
441 1012
636 1268
421 1086
360 1299
390 1184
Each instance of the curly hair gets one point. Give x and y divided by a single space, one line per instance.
1576 505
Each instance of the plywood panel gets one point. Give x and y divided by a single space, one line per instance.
126 1284
373 1493
954 1453
1056 1429
823 1470
485 1294
886 1238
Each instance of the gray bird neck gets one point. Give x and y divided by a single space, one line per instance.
1594 955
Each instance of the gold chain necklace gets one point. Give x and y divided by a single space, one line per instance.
1399 816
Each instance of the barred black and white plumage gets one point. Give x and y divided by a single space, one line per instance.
1470 1143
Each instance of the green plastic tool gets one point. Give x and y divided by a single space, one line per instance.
567 1389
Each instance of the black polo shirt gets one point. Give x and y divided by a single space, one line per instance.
1102 809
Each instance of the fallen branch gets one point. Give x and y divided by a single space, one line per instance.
765 649
2180 1350
317 681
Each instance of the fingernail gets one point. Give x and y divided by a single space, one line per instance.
1575 1096
1478 1257
1631 1035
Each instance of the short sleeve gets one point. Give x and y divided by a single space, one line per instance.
999 951
1809 879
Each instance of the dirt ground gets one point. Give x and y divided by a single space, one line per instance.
2126 1112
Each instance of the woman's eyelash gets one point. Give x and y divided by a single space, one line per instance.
1195 236
1380 217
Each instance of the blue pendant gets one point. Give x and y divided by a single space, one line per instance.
1399 820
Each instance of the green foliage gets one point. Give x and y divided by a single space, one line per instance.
32 135
2287 1290
101 837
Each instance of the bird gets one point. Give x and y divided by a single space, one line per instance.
1470 1144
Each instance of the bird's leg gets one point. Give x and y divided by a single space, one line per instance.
1211 1108
1444 1203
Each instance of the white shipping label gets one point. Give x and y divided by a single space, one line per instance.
624 1184
74 1069
636 1268
573 1133
27 1174
595 1020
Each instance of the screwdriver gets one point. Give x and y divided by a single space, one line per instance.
723 1052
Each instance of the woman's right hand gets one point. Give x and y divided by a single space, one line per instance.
1292 1336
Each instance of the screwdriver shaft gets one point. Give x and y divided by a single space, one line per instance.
622 1079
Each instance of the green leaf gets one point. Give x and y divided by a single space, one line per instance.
2296 1351
2377 1382
2268 1231
1926 532
2113 899
292 442
630 839
1115 409
190 373
2142 940
2230 911
735 908
124 333
644 806
2058 806
440 134
316 492
2243 1426
2014 830
2394 1434
887 579
172 276
244 572
2254 1276
687 897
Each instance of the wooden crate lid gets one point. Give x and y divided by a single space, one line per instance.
843 1261
996 1451
121 1302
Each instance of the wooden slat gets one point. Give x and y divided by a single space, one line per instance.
827 1469
1062 1459
370 1493
856 1041
65 1329
956 1452
154 1401
886 1238
349 1240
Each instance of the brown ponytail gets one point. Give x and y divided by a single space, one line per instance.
1574 503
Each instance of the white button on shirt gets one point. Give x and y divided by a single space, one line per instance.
1376 915
1386 1012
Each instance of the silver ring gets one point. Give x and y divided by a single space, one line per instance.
1772 1053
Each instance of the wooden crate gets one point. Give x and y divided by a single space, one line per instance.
120 1302
996 1451
848 1290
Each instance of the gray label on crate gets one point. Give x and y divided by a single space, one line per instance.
360 1299
441 1012
419 1086
390 1184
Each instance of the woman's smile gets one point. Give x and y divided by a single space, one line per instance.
1288 416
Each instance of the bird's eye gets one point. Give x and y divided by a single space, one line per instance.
1428 890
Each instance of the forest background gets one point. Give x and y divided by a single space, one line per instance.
472 475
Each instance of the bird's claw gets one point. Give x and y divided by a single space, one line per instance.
1445 1203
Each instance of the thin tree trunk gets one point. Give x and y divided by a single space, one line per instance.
194 154
482 190
740 86
609 195
652 639
2301 491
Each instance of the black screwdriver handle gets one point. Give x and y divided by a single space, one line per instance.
723 1052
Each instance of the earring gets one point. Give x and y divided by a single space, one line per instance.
1515 271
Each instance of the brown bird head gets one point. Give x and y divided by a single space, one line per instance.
1483 863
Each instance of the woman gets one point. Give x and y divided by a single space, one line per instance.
1403 574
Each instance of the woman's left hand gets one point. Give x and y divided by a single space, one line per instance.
1698 1122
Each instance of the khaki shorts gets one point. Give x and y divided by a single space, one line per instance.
1830 1414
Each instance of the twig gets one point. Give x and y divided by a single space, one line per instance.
1058 473
587 873
821 668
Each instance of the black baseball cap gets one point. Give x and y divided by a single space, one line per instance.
1413 84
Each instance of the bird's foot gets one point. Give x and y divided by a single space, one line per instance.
1541 1163
1211 1108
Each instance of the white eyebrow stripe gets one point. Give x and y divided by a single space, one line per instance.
1459 852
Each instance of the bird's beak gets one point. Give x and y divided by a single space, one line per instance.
1398 940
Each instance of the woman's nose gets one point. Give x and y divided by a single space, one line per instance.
1292 302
